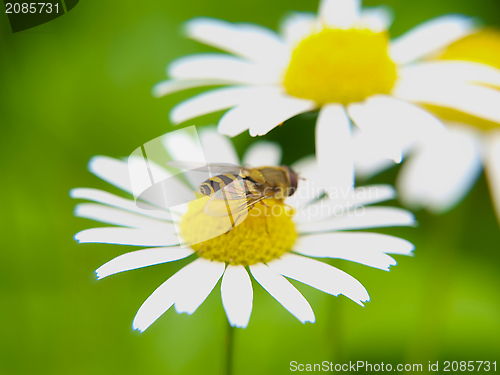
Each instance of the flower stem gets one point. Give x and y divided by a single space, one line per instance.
229 349
335 332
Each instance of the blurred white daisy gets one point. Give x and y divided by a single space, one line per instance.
441 172
268 248
339 61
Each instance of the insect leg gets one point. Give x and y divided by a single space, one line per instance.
234 224
228 211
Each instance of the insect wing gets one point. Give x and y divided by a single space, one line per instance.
207 168
238 189
232 199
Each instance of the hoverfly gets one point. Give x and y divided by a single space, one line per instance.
234 190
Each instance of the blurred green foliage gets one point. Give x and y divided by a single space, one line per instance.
80 86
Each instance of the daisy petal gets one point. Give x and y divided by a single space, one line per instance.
492 166
296 26
364 196
221 67
237 295
217 100
203 276
182 146
339 13
163 298
115 216
308 189
439 175
307 167
168 190
116 172
472 99
263 115
170 86
284 292
366 248
383 138
128 236
321 276
250 41
377 18
142 258
378 260
369 167
454 71
111 170
370 159
263 153
395 125
217 148
335 206
334 149
367 195
430 37
109 199
361 218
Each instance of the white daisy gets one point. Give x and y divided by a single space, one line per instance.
441 172
268 248
340 61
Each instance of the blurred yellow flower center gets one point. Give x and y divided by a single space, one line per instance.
452 115
265 234
482 47
341 66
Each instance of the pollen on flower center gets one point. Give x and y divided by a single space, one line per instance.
341 66
266 233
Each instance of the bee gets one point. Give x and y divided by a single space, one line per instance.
235 190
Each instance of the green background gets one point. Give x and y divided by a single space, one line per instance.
80 86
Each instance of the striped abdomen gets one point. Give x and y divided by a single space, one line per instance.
213 184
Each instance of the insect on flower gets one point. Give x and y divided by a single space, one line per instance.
236 190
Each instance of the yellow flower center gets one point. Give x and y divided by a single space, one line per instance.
482 47
265 234
341 66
